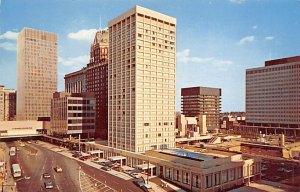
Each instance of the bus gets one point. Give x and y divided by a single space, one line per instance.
16 170
12 151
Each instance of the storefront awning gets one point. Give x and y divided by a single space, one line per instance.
85 154
95 152
116 158
145 166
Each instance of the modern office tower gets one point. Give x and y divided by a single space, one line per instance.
36 72
97 80
272 98
7 104
141 80
75 82
73 114
197 101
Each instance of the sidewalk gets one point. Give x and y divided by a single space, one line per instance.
162 185
67 153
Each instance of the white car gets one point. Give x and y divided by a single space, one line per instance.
58 169
48 184
135 175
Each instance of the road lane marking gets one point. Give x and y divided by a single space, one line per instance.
57 187
45 163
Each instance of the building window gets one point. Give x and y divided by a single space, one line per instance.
239 172
208 181
176 175
217 178
231 174
185 177
225 176
168 173
196 179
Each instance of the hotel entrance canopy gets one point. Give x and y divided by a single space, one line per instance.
145 166
117 158
95 152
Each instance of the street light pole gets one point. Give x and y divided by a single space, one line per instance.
148 171
79 143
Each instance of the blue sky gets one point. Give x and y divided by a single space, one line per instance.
216 40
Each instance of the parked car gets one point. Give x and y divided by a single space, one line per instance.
135 175
58 169
280 169
138 182
46 175
287 170
108 164
147 188
106 168
76 155
82 158
48 184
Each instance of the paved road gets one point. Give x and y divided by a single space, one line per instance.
44 161
34 165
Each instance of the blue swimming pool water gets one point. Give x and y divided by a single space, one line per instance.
189 154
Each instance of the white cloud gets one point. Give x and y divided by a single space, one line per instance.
9 35
83 34
237 1
8 46
75 63
254 27
184 57
269 38
247 39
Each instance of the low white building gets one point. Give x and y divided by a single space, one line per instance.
20 128
205 171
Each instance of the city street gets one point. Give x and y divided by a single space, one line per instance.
34 165
35 160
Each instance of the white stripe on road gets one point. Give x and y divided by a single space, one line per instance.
45 163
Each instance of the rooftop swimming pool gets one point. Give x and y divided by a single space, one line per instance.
188 154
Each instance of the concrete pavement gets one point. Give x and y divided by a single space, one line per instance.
90 184
264 186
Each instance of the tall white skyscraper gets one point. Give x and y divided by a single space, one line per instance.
141 80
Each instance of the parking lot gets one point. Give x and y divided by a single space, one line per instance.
283 172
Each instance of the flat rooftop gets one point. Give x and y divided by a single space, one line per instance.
189 157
